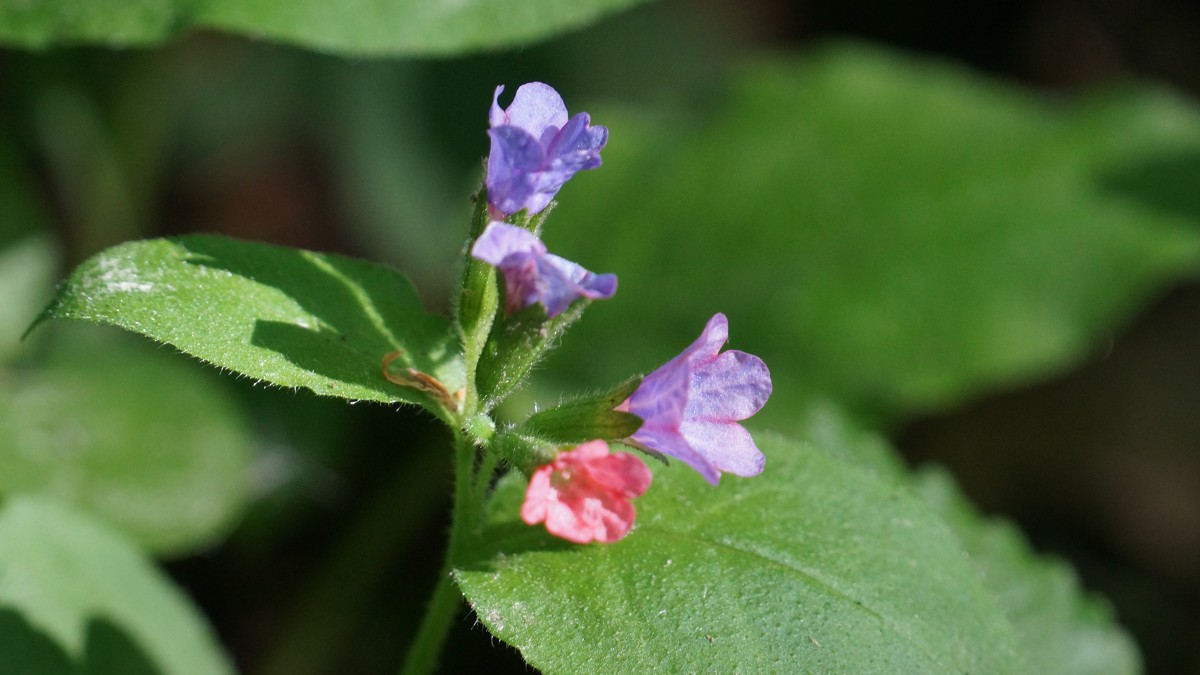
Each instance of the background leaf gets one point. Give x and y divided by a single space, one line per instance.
796 569
27 256
26 274
893 234
1058 629
284 316
76 597
364 27
139 439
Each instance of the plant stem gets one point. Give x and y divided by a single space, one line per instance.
483 480
439 616
446 602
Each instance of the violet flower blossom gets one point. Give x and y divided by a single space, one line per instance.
691 406
536 148
532 275
584 494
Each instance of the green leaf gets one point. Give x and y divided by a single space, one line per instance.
76 597
282 316
818 565
137 438
894 234
1059 629
367 27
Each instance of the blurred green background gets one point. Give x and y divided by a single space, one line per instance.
994 137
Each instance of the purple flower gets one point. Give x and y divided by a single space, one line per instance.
535 148
532 275
691 406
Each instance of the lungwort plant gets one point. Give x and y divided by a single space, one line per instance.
597 534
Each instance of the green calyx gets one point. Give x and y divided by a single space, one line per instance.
587 418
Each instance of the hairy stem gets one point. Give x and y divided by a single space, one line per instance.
446 603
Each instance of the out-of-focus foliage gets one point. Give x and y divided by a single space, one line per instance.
897 235
136 437
1057 629
361 27
76 596
27 257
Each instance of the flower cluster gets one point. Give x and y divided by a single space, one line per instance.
688 409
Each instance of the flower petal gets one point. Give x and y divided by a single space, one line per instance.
623 473
712 338
537 496
563 282
608 518
727 446
515 160
577 146
690 406
731 387
536 108
564 520
661 398
501 240
669 441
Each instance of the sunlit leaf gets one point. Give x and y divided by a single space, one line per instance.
818 565
283 316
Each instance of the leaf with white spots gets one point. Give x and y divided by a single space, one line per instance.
818 565
284 316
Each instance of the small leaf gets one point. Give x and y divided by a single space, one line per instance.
75 592
387 27
283 316
818 565
141 440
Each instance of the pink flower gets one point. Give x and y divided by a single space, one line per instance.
691 406
584 494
